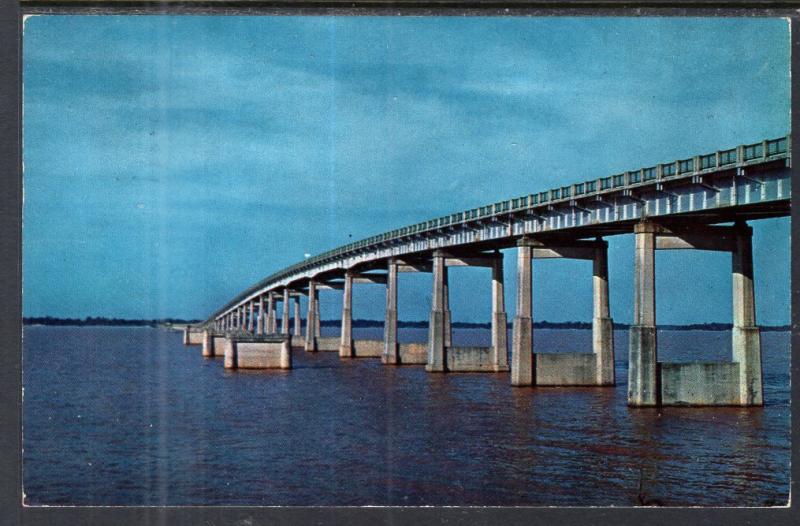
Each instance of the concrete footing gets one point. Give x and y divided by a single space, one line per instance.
192 336
470 359
218 346
562 369
367 349
412 353
699 384
327 344
270 352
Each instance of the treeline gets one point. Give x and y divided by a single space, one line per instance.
100 320
544 324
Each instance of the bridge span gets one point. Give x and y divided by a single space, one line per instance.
701 202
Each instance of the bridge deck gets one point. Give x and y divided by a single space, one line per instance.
747 182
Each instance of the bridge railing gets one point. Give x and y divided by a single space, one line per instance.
722 159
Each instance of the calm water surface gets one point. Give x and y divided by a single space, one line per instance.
129 416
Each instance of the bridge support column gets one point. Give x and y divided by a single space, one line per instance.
250 314
643 388
391 353
317 319
522 331
208 343
499 319
297 327
746 336
311 323
448 329
346 343
230 360
270 313
260 322
285 318
437 351
602 324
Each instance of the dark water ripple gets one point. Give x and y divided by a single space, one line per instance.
129 416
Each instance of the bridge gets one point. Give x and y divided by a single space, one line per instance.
703 202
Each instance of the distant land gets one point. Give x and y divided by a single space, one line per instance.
544 324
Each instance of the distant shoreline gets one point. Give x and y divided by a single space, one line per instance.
177 322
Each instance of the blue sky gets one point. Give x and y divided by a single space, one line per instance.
171 162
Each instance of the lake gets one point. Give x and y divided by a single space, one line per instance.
131 416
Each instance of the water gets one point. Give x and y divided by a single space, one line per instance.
129 416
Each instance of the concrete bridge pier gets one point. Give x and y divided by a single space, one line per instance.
327 343
271 313
261 316
285 316
602 324
499 319
746 336
297 327
437 330
317 317
522 331
564 368
208 343
250 314
654 383
346 341
391 349
643 388
253 352
448 329
443 355
348 346
312 325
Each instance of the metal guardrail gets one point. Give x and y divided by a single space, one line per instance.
742 155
